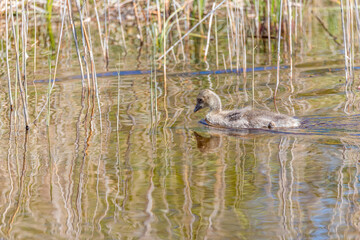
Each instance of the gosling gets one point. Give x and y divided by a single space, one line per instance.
240 118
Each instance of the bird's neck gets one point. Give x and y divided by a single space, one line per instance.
216 106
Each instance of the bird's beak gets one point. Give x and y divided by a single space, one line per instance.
197 107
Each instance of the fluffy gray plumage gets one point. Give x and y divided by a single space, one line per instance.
240 118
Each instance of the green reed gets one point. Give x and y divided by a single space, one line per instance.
49 7
175 26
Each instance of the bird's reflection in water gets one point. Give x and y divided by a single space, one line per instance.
210 142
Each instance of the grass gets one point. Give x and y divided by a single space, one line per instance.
164 28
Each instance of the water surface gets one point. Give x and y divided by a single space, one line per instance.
138 172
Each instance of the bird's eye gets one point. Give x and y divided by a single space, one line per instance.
200 100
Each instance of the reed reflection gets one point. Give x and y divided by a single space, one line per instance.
345 217
147 180
181 183
266 180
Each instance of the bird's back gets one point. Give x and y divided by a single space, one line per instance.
251 118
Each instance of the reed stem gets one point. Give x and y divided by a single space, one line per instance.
278 50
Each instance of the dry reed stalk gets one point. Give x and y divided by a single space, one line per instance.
154 62
192 29
165 69
216 43
16 92
301 15
51 86
35 33
352 40
63 14
208 36
357 17
290 41
187 24
158 15
164 50
87 72
121 26
86 57
21 87
200 17
296 20
105 36
224 61
71 18
179 29
7 54
152 105
345 41
167 27
350 96
237 25
236 32
327 30
289 7
88 42
118 105
100 32
268 25
153 94
155 85
187 14
228 35
188 6
147 12
107 15
139 22
253 67
278 50
243 34
48 95
24 30
257 19
357 24
35 55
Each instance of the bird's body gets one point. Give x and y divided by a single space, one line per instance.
241 118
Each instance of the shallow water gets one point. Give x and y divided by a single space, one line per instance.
132 174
